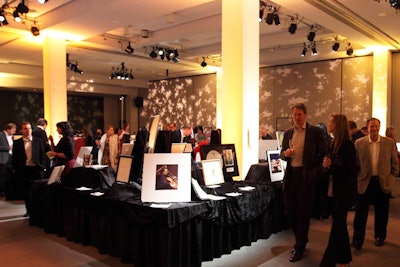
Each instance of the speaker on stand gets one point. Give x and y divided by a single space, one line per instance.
138 104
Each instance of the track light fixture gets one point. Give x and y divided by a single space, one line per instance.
129 49
293 26
349 50
121 73
153 53
336 45
311 35
165 53
42 1
314 51
35 30
260 18
203 63
304 51
3 19
73 67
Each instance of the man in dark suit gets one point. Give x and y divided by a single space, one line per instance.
182 135
28 161
303 147
6 143
40 132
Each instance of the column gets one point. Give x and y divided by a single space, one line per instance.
54 83
238 100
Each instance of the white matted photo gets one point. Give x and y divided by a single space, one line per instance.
166 177
276 167
212 172
126 149
56 174
153 131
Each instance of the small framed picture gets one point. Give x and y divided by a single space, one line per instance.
212 172
276 166
166 177
226 154
124 169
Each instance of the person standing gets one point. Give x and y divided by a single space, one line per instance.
28 161
6 144
341 164
109 148
379 168
40 132
354 131
303 148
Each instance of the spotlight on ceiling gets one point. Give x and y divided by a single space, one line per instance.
270 18
203 63
73 67
17 18
176 56
349 50
335 46
276 19
153 53
260 18
22 8
3 20
121 73
293 26
303 53
129 49
35 30
311 36
42 1
314 51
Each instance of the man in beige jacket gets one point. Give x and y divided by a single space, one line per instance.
379 168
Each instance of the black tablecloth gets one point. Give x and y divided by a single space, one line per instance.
185 234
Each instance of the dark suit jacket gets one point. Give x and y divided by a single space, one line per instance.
314 152
19 156
177 136
4 148
41 134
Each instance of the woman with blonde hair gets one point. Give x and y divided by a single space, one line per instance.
341 164
108 150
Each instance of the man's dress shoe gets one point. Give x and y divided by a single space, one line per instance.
379 242
296 255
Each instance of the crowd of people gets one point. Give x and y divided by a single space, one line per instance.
335 165
346 169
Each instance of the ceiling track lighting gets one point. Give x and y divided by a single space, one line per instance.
203 63
349 50
73 67
314 51
293 26
336 45
165 53
129 49
42 1
304 51
393 3
121 73
311 35
35 30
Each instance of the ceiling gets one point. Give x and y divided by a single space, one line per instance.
97 32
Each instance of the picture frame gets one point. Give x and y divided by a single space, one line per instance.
276 166
226 153
166 177
126 149
279 138
124 169
153 130
56 174
212 172
207 131
181 148
87 160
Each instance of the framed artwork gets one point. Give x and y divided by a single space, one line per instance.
124 169
264 146
276 167
225 153
166 177
279 138
153 130
212 172
126 149
56 174
87 160
207 131
181 148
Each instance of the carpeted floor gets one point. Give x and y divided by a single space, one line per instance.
22 245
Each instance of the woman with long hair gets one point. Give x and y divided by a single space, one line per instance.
63 152
341 163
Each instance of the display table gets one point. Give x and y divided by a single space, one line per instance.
185 234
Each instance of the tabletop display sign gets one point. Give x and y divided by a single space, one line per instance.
166 177
56 174
276 167
226 154
80 159
212 172
124 169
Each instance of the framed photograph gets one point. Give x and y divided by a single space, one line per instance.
276 167
212 172
181 148
226 154
153 130
126 149
87 160
56 174
125 164
166 177
207 131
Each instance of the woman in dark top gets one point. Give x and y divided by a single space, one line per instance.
64 151
341 163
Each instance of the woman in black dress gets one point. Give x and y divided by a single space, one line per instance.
341 163
63 152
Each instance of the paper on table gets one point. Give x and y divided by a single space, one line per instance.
233 194
161 205
97 194
97 167
247 188
213 186
203 195
83 188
